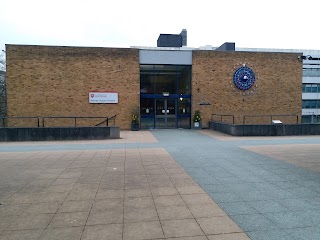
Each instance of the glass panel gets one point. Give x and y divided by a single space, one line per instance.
171 108
171 122
147 79
310 119
314 88
306 119
146 107
311 72
160 114
310 104
160 110
147 113
165 79
147 123
183 122
184 79
184 111
308 87
171 113
166 113
184 106
160 123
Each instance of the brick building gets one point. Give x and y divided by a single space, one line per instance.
167 84
2 93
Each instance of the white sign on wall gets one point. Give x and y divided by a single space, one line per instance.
103 97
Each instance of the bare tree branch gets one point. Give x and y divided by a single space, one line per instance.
2 61
3 94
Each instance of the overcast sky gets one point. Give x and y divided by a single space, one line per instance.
284 24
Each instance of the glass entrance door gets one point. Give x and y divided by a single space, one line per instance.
166 115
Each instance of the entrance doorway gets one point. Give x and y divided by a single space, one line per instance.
162 112
165 96
166 114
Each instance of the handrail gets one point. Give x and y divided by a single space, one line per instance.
107 121
22 117
261 115
271 116
70 117
223 115
42 119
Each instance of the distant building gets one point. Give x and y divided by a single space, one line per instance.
311 87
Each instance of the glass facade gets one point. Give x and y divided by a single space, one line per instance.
311 72
310 119
165 96
310 88
314 103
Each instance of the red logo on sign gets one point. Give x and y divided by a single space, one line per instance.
92 95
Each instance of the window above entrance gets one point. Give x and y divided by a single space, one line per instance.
172 79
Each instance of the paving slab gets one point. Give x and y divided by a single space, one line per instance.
161 184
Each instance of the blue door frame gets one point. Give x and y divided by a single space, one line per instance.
177 98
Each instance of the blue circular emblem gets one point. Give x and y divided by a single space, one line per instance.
244 78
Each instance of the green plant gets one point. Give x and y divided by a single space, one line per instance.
197 116
135 116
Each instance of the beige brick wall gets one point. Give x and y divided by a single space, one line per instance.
277 89
55 81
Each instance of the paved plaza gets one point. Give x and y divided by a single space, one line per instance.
162 184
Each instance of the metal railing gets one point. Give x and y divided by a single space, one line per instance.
107 121
4 120
271 116
222 116
75 119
